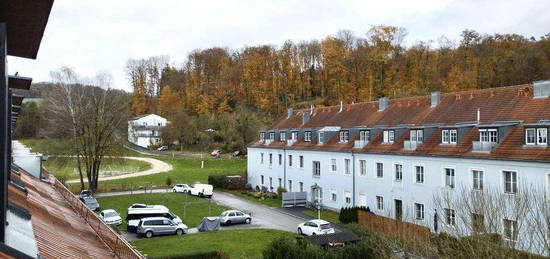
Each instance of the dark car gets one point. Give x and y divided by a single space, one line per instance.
90 202
85 193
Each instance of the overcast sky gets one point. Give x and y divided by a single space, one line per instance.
101 35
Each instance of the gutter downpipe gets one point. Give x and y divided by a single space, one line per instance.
284 168
353 177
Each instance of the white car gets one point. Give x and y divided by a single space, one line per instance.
202 190
181 187
110 217
315 227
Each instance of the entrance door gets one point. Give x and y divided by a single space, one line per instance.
316 195
398 210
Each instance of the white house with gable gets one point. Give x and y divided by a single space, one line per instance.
146 130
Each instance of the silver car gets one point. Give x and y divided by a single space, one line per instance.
229 217
155 226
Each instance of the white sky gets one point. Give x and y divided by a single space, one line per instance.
101 35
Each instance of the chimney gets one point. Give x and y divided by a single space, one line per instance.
289 112
382 103
341 106
541 89
436 98
305 117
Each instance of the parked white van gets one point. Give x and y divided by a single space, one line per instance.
202 190
136 214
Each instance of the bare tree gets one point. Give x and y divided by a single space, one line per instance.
93 113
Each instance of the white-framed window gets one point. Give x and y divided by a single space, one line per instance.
364 135
389 136
262 136
380 203
449 177
450 217
321 136
307 136
449 136
301 186
270 159
280 159
380 170
416 136
363 167
280 183
347 166
289 160
301 161
488 135
419 211
290 185
510 229
271 183
542 136
262 179
477 179
316 168
412 135
530 136
333 166
272 135
478 223
344 136
510 181
282 135
262 158
419 174
347 198
398 172
294 135
333 196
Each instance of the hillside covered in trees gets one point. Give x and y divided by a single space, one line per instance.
267 79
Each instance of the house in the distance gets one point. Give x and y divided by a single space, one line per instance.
146 130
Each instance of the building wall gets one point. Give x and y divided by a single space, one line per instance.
145 137
530 174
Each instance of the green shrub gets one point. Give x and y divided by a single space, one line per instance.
229 183
280 191
169 181
349 214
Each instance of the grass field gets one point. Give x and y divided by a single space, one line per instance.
271 202
66 166
63 147
328 215
236 243
195 210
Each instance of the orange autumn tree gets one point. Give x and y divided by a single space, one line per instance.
169 102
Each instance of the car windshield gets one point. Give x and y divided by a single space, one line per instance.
326 226
110 214
224 214
172 215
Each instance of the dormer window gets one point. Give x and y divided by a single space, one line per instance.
389 136
536 136
294 135
321 136
364 135
262 136
344 136
272 135
282 135
488 135
449 136
307 136
417 136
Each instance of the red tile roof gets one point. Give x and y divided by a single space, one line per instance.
512 103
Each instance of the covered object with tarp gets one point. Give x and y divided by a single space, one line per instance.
209 224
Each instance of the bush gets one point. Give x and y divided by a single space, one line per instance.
229 183
349 214
280 191
169 181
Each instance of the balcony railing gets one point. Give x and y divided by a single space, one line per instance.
411 145
268 141
480 146
360 143
290 142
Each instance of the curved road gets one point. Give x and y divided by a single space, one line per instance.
157 166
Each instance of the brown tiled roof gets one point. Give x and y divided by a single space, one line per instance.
58 230
512 103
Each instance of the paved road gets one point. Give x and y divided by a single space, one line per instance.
157 166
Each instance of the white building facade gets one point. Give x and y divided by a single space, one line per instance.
146 130
408 158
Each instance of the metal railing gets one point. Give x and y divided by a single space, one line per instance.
290 142
482 146
360 143
268 141
115 242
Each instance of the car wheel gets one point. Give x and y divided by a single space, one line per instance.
300 231
179 232
200 194
228 222
247 220
149 234
313 234
174 190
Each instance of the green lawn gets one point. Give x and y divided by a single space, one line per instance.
247 243
67 167
195 211
271 202
328 215
64 147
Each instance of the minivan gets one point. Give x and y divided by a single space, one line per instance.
156 226
136 214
